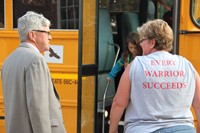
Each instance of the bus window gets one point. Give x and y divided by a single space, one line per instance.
63 14
164 6
123 5
165 11
196 11
2 14
116 7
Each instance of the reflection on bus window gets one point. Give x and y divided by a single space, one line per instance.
116 7
196 10
165 10
123 5
33 2
63 14
119 5
2 14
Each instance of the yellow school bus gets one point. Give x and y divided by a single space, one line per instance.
64 43
88 37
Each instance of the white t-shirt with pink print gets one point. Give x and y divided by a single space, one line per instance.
162 90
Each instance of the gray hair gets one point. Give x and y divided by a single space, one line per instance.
31 21
160 31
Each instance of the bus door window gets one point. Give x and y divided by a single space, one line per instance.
63 14
196 11
2 14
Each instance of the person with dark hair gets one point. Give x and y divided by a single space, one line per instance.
168 16
132 49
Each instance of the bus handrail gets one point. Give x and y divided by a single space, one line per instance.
106 89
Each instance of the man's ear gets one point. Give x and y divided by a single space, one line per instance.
31 36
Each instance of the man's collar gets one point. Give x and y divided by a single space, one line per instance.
33 46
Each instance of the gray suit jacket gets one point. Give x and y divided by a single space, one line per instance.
29 99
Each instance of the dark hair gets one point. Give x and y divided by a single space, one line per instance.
133 38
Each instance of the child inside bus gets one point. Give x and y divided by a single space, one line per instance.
132 49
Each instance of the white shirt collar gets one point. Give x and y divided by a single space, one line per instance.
33 47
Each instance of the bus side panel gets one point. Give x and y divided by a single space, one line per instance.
2 114
8 42
189 48
64 73
188 42
65 76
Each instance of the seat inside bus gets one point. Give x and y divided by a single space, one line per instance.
106 57
126 22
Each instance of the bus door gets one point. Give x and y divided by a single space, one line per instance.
96 57
189 33
87 70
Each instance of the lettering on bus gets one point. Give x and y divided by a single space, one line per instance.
65 81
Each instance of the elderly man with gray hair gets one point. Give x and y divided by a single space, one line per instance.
31 101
